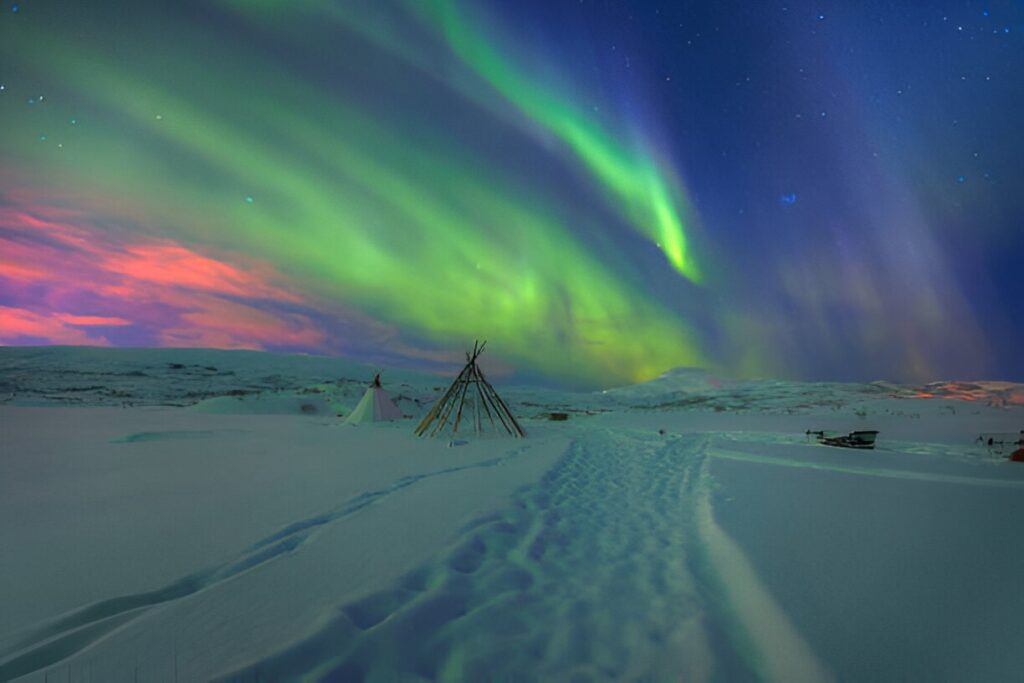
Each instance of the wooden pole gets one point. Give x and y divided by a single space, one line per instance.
425 423
480 393
450 403
476 411
504 408
491 395
462 400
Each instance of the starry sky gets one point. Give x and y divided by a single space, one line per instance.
601 189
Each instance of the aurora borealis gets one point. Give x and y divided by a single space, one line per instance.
602 190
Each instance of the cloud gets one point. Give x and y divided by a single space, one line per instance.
20 325
90 320
170 264
62 276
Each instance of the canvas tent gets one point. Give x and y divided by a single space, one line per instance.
375 406
470 399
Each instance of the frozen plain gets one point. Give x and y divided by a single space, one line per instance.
195 515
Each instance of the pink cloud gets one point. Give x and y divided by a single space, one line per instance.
19 324
174 265
31 261
229 324
90 320
60 274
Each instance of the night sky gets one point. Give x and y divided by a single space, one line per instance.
601 189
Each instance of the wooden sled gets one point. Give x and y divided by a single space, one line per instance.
863 439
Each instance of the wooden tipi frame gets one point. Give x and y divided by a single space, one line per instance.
484 404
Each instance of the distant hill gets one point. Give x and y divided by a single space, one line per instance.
118 376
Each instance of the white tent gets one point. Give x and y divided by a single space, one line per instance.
375 406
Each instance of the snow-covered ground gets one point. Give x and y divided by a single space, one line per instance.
192 515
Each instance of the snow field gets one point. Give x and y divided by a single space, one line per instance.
675 530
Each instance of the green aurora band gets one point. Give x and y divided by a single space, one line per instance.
409 226
632 177
648 195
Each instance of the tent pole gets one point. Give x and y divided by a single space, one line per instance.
483 402
462 402
450 405
490 394
508 412
436 410
504 408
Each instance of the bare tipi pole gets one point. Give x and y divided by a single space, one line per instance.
483 402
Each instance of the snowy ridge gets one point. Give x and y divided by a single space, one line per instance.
174 377
266 383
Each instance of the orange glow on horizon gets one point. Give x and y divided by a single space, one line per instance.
991 393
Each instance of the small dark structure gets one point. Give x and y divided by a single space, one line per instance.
1000 442
864 439
483 401
1017 455
558 417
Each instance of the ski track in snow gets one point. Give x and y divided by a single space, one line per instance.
603 570
77 630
